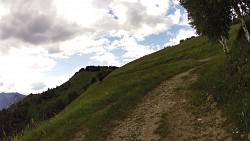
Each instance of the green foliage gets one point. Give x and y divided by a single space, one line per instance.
210 18
102 74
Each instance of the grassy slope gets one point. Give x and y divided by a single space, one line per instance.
60 95
95 111
35 108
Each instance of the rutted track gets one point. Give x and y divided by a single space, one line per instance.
185 121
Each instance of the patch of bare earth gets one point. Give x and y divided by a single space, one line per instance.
186 122
79 136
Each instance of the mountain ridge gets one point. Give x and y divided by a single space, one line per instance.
7 99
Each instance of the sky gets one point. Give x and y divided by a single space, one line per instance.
44 42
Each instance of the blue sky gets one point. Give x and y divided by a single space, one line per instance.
44 42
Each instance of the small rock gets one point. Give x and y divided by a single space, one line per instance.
210 98
242 136
199 119
229 139
213 105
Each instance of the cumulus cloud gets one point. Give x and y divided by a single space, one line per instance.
21 67
125 19
140 18
54 49
135 50
182 34
25 60
35 22
184 19
176 16
38 86
54 26
107 58
35 34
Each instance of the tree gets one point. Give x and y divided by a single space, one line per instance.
72 95
101 75
214 17
209 20
240 9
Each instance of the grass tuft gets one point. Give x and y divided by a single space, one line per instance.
162 129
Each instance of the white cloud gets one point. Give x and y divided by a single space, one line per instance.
21 67
38 86
25 60
176 16
107 58
35 34
134 18
77 11
184 19
175 2
135 50
135 21
182 34
75 27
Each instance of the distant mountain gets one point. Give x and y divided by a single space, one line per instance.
7 99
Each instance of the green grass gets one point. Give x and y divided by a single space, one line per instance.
95 111
162 130
228 80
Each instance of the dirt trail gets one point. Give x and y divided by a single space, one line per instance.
186 122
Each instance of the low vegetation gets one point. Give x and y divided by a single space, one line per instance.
162 129
228 81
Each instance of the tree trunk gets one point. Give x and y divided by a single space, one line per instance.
223 42
245 29
243 23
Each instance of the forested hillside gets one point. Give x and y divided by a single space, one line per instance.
38 107
7 99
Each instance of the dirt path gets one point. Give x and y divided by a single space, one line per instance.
185 122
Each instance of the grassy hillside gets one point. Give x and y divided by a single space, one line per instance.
38 107
95 111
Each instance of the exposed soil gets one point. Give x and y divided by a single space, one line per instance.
79 136
186 122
